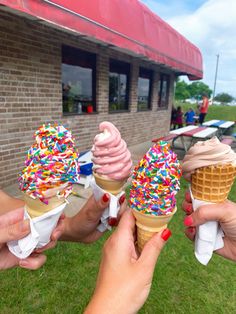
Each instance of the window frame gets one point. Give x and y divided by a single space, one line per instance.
163 104
124 68
82 58
148 74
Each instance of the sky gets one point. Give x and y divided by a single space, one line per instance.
211 26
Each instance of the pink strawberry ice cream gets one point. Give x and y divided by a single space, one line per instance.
111 158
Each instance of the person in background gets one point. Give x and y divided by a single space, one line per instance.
203 108
173 118
189 117
179 117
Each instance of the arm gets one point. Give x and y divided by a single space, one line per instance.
122 284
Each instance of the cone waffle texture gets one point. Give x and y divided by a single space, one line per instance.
213 183
147 225
112 186
36 208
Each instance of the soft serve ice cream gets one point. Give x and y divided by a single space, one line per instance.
207 153
111 159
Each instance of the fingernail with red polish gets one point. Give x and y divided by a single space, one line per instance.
166 234
105 197
112 221
191 229
189 209
188 221
122 199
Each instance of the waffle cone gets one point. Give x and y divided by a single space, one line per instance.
147 225
213 183
36 208
112 186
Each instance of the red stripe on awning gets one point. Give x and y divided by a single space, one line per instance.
126 24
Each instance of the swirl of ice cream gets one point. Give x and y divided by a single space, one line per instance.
155 181
51 165
207 153
111 157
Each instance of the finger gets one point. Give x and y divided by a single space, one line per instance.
153 248
188 196
15 231
214 212
190 233
58 231
122 199
34 261
127 223
187 207
12 217
96 208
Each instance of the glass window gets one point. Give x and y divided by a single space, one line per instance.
78 81
144 89
163 92
119 86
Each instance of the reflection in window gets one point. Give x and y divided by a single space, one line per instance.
144 89
163 92
119 85
78 80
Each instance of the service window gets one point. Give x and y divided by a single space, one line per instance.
119 76
78 81
144 89
163 91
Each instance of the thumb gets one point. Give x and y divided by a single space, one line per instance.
211 212
153 248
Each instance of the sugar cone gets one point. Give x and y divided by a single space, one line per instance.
213 183
147 225
112 186
36 208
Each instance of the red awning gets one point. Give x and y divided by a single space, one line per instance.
125 24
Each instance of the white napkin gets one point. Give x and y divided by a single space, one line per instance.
41 230
209 236
113 208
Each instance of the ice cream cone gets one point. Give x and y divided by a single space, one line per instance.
36 208
147 225
112 186
213 183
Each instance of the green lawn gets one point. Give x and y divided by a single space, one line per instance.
180 284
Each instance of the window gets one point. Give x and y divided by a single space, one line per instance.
144 89
163 92
78 81
119 86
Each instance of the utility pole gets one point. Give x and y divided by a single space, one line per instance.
214 90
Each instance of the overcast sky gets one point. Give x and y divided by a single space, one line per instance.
211 26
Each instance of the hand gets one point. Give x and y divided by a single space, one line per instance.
224 213
125 279
83 226
13 227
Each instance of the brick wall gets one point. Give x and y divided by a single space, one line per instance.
30 84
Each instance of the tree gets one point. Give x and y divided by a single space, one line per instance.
224 98
181 91
197 89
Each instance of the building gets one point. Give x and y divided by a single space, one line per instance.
80 65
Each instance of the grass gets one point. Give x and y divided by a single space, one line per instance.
180 284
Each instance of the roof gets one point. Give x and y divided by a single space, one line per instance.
127 25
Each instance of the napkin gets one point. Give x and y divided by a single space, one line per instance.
41 229
112 209
209 236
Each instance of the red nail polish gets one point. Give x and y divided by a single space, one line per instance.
191 229
189 209
188 221
105 197
122 199
166 234
112 221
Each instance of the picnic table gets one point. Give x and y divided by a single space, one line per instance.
223 126
192 131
